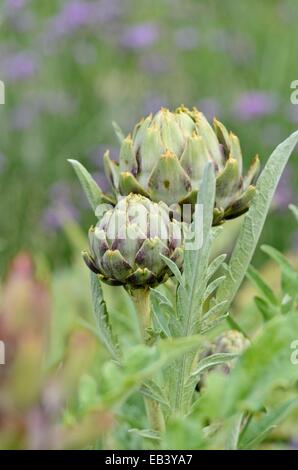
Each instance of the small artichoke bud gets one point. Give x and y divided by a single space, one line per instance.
165 156
231 341
126 244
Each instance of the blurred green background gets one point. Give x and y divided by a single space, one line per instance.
71 67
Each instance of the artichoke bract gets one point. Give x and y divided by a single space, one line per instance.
126 244
164 158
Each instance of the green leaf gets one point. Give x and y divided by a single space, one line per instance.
215 265
265 364
190 292
278 257
255 218
261 285
289 278
140 364
92 190
173 268
213 312
212 287
102 318
118 131
212 361
258 429
152 390
264 308
146 433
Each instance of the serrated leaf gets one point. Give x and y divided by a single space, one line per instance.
91 188
102 318
255 218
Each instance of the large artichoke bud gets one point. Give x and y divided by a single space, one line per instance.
164 158
126 244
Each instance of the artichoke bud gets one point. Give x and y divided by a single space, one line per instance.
165 157
126 245
231 341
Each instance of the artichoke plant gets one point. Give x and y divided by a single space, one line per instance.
164 158
126 244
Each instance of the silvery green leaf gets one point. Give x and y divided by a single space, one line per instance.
91 188
102 318
141 363
152 390
173 268
190 293
215 265
255 218
211 288
216 309
210 325
212 361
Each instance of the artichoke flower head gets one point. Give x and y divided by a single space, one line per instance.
164 157
126 244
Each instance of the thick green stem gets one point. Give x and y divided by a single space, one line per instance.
141 299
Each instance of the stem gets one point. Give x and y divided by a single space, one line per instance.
141 300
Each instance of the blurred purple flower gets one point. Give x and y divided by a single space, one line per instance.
254 104
60 209
54 217
101 180
293 113
11 6
139 36
186 38
284 194
19 66
76 14
210 107
22 116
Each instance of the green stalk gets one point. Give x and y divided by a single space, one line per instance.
141 300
